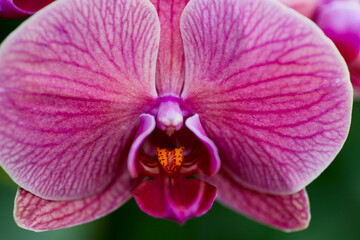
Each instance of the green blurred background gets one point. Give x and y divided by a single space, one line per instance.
334 199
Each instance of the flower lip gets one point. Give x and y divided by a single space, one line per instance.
147 125
167 164
183 153
176 198
200 155
194 125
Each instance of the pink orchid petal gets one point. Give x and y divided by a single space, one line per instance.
38 214
175 198
305 7
21 8
194 125
170 62
287 212
270 89
72 88
189 198
146 127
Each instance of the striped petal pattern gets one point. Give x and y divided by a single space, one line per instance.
38 214
67 79
276 99
284 212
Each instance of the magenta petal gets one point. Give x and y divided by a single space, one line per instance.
72 88
21 8
271 91
287 212
189 198
175 198
170 62
150 197
37 214
194 125
146 127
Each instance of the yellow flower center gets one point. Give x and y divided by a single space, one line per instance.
170 160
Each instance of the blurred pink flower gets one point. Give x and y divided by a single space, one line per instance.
305 7
102 100
21 8
340 21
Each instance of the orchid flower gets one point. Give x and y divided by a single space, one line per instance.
21 8
171 102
